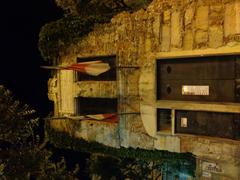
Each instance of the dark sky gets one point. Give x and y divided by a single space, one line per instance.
20 59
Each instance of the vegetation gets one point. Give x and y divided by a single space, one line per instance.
85 8
109 167
17 120
184 162
80 17
32 163
20 155
59 35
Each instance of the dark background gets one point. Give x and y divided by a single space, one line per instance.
20 59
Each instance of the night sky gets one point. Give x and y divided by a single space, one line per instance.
20 60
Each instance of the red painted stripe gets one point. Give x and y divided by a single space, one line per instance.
78 67
107 116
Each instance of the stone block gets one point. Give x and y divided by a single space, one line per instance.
201 2
228 149
215 148
139 140
156 27
201 149
188 16
160 143
216 8
187 144
230 21
229 171
148 45
227 1
87 89
216 15
237 152
166 16
188 40
172 144
110 136
124 138
134 124
237 16
142 44
176 29
202 17
107 89
201 37
166 37
100 135
215 36
91 136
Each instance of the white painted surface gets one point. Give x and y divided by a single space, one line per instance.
66 91
148 115
148 98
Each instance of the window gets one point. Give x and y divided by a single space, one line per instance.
164 120
225 125
213 79
110 75
86 105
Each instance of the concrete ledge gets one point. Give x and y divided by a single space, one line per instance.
200 106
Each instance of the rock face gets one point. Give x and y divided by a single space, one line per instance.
165 28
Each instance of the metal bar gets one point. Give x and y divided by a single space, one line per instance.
87 118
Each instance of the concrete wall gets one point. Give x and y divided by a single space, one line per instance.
165 29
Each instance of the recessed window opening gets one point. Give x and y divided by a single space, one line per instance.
210 79
164 122
215 124
88 106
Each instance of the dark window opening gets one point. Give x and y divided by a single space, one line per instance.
224 125
164 120
87 106
110 75
215 78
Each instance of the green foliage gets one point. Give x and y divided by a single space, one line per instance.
27 163
24 162
81 15
21 158
63 140
104 166
57 170
2 167
17 120
109 167
87 7
59 35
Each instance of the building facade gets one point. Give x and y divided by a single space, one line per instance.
173 83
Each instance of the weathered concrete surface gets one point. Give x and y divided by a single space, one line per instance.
225 154
96 89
